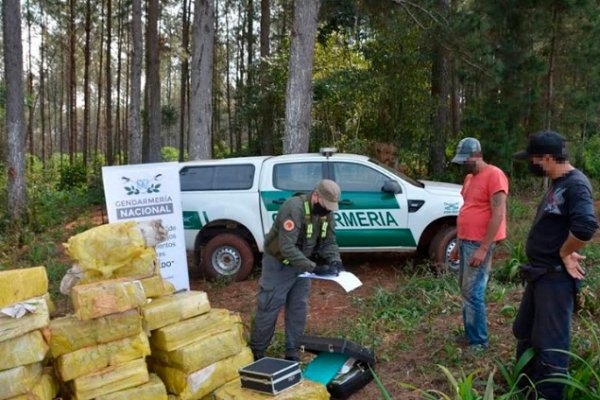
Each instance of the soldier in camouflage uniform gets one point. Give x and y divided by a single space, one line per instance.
302 232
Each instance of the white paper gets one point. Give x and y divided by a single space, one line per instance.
345 279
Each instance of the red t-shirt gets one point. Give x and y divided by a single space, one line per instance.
476 211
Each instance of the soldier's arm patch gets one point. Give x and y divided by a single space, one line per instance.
288 225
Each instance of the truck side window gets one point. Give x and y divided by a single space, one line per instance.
358 178
297 177
217 177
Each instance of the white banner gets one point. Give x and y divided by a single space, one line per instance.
145 192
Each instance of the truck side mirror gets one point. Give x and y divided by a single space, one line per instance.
391 186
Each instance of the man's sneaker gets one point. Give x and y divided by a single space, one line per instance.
477 350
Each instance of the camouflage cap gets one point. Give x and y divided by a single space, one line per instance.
329 192
465 149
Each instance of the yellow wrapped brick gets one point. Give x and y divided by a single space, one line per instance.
168 310
112 250
23 350
153 390
13 327
156 286
90 359
204 352
69 334
172 337
306 390
108 297
21 284
198 384
110 380
20 380
45 389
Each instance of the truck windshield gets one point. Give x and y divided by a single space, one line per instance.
399 174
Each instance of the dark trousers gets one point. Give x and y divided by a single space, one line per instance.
544 323
279 287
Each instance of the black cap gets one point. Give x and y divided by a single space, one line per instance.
545 142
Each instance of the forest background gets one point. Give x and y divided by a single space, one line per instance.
125 81
104 82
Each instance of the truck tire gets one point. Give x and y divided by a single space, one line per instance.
440 247
227 256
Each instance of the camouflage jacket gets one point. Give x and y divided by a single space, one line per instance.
297 238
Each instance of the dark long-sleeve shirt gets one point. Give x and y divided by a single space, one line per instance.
567 207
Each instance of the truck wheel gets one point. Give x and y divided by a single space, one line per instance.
227 256
440 247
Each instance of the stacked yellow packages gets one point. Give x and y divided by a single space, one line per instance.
168 310
153 390
112 251
194 354
24 319
17 285
156 286
221 341
100 351
95 300
306 390
200 383
69 334
90 359
182 333
46 388
110 379
11 328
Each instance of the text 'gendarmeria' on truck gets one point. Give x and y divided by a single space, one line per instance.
230 204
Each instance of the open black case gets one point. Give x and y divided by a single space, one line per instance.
354 375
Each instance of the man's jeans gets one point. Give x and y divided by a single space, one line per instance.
473 281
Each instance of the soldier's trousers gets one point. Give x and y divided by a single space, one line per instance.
279 286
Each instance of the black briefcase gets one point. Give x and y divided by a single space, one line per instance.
345 383
270 375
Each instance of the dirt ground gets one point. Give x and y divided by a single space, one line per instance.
328 303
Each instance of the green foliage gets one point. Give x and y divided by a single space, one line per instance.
509 268
72 176
168 153
591 161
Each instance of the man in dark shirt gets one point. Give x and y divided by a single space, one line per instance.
564 223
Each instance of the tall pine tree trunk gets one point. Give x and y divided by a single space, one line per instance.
439 96
266 129
43 88
86 81
250 60
298 95
135 129
153 82
99 85
201 85
15 117
108 98
118 152
185 44
72 85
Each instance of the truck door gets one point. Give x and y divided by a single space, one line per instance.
369 218
285 180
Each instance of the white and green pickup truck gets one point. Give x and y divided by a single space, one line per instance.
230 204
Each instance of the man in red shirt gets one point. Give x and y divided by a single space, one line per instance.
481 224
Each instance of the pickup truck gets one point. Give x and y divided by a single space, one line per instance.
230 204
